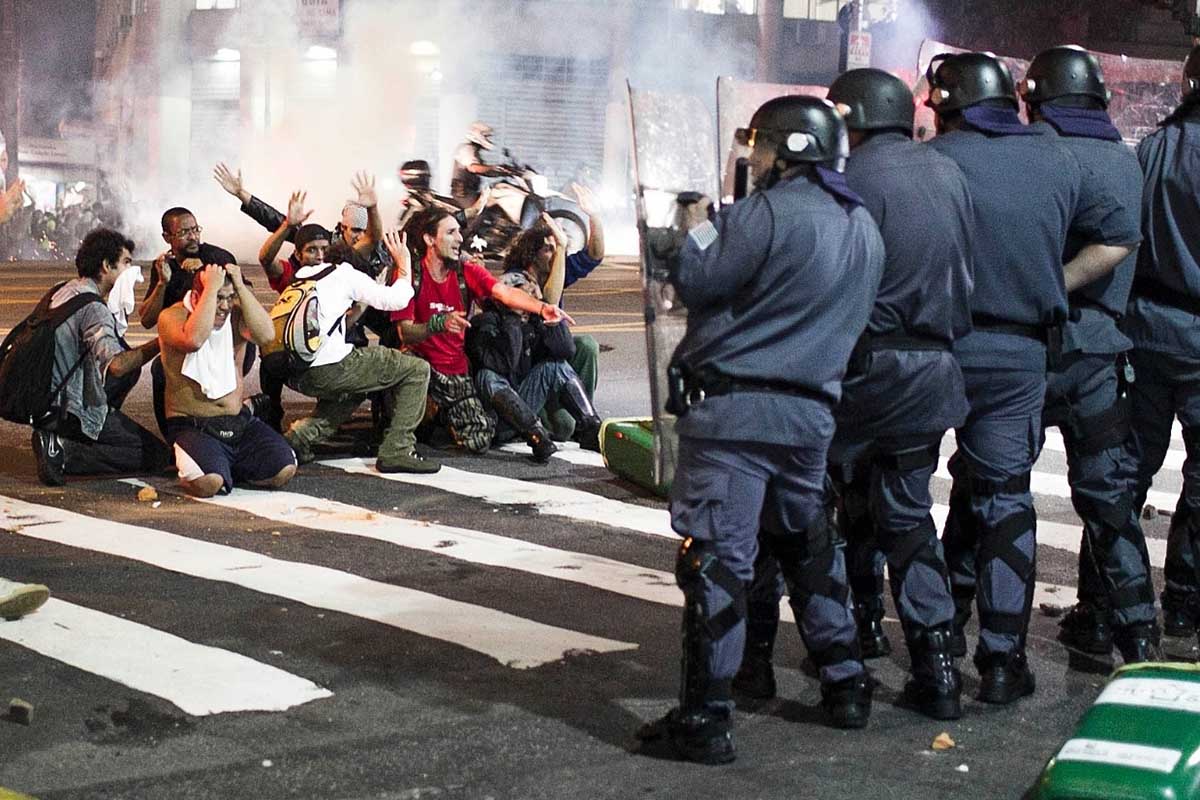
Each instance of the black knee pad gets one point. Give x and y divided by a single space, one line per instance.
1000 543
914 546
1099 432
697 567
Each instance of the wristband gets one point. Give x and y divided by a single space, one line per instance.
437 323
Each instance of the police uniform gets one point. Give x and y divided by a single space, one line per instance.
778 290
1025 188
1161 321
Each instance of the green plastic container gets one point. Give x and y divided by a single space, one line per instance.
1139 740
628 449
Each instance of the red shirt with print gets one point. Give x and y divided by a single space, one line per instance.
445 351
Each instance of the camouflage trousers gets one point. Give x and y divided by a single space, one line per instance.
458 407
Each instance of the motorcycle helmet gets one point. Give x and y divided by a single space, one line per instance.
810 130
480 133
961 80
877 100
1059 72
415 175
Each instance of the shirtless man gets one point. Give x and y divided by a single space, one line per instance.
203 339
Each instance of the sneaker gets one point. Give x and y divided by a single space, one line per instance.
411 463
704 737
1086 628
19 599
50 457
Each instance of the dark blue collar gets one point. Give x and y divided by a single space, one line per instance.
996 121
834 182
1088 123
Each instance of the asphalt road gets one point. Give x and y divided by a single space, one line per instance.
498 632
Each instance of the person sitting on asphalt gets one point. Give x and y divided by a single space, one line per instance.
86 435
203 339
340 376
434 324
521 362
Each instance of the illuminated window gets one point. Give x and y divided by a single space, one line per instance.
822 10
207 5
719 6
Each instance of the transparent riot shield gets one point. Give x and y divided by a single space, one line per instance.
1144 91
736 103
673 145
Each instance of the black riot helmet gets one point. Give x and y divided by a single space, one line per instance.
1064 72
876 100
961 80
808 130
415 174
1191 72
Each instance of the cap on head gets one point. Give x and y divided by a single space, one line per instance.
961 80
809 130
310 233
1060 72
415 174
481 134
354 216
876 100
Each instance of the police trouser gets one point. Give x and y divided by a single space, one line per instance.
1168 386
990 537
884 514
721 492
1084 399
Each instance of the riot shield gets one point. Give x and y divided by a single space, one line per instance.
736 103
1144 91
673 145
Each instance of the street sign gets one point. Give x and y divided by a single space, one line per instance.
858 52
319 17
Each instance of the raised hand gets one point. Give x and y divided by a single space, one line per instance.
228 179
211 277
296 214
162 265
364 185
586 198
235 274
396 243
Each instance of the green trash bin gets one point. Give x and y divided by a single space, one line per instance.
1139 740
627 445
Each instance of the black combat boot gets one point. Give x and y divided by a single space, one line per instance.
512 409
1003 677
574 399
868 613
705 736
1086 627
936 686
1181 614
847 703
755 678
1138 643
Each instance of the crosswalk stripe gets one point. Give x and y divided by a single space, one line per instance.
558 501
1173 460
199 679
1055 485
511 640
570 452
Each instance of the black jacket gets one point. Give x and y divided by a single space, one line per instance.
501 341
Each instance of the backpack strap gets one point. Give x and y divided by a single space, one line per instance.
56 317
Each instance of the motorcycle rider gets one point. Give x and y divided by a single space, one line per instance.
778 288
469 167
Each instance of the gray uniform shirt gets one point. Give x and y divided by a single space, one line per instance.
92 331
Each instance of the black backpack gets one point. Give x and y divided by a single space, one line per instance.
27 360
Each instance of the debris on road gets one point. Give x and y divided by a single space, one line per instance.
147 494
943 742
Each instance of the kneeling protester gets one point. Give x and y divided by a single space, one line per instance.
203 339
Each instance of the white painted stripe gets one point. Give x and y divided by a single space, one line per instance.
570 452
557 501
1054 485
463 544
512 640
199 679
1121 754
1054 442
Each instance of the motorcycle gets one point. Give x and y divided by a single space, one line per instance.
515 203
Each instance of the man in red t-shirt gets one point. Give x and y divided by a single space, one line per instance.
435 323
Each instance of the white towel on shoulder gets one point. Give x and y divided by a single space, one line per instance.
212 365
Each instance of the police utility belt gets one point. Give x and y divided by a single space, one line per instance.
1050 334
899 340
688 388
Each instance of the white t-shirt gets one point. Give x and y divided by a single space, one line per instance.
341 289
121 299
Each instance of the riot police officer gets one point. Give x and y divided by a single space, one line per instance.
778 289
902 392
1161 321
1086 392
1025 193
